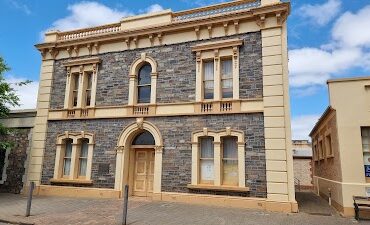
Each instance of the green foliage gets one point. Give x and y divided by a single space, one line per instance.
8 98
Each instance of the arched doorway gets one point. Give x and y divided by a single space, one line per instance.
139 159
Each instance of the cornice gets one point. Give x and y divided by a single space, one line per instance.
217 44
280 11
79 62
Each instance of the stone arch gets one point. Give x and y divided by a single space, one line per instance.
123 151
138 63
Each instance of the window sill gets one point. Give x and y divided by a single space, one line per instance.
218 188
67 181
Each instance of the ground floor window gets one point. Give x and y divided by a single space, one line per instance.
365 136
218 158
74 156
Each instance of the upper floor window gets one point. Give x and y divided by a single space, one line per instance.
329 146
74 156
217 73
227 78
81 83
88 87
144 84
208 79
75 87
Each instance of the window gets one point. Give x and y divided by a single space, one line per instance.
227 78
67 158
144 84
217 70
230 161
73 157
208 79
83 157
315 153
89 80
76 81
206 160
321 150
145 138
218 160
365 135
329 147
81 83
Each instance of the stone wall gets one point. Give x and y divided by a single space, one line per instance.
176 133
303 171
176 73
16 160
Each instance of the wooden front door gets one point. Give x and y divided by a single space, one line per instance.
144 172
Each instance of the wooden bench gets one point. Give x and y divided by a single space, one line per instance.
360 203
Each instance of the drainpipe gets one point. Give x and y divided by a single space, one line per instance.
329 190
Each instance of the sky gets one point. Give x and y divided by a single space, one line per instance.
326 39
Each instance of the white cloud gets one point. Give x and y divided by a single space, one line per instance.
353 29
348 49
302 126
19 6
313 66
26 93
87 14
321 14
154 8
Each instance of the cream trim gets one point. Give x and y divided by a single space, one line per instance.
134 71
60 151
217 51
83 67
156 110
217 136
123 154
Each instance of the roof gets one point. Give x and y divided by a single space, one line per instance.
349 79
322 118
302 153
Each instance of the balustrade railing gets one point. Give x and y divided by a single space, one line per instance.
141 110
226 106
82 33
206 107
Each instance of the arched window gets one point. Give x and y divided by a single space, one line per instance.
144 138
144 84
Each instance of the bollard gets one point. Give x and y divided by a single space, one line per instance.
125 203
29 200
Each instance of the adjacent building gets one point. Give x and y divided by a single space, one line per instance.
341 141
302 164
189 106
14 160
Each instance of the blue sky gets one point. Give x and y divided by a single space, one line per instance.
327 39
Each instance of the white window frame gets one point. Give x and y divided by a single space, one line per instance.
195 176
6 163
76 147
218 50
133 83
82 67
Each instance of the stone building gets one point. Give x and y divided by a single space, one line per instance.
13 161
189 106
340 141
302 164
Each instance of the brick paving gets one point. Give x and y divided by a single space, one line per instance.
65 211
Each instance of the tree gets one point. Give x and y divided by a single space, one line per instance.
8 98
